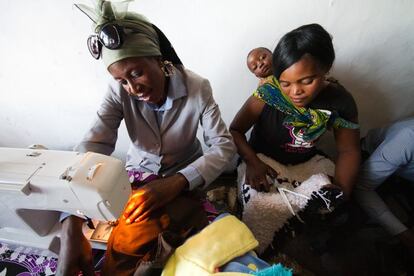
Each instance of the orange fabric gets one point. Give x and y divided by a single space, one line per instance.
131 244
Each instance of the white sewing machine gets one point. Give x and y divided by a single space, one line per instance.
37 185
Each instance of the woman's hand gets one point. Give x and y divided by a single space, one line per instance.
152 196
75 250
256 170
256 174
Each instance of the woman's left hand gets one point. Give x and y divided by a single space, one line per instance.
152 196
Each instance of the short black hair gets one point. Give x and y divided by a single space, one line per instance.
310 39
258 48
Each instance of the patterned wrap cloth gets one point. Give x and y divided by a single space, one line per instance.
311 123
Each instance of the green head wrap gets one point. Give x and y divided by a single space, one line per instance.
142 41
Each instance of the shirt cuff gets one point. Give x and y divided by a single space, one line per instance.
193 177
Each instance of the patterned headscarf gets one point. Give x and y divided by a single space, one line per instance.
312 123
145 40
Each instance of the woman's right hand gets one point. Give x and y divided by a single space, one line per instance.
152 196
256 175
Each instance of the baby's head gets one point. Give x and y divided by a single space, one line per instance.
259 62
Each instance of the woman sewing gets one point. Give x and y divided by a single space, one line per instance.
162 105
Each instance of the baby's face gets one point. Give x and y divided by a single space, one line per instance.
259 62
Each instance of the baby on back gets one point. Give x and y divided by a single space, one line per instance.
259 62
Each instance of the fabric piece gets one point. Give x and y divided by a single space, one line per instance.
274 270
210 209
309 123
18 260
391 152
266 213
136 243
214 246
138 178
27 261
246 263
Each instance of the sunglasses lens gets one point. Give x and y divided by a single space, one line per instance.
94 46
110 37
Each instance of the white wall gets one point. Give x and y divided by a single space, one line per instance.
50 87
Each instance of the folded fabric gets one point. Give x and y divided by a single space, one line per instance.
146 245
217 244
247 263
274 270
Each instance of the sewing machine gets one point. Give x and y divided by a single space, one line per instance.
37 185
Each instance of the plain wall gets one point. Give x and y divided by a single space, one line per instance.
50 86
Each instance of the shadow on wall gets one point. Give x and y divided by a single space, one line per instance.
382 88
372 98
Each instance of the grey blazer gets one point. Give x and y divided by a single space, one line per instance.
173 145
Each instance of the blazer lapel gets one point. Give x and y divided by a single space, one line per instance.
171 115
149 116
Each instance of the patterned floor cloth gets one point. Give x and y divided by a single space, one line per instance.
24 261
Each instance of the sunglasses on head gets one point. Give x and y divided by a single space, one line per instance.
109 36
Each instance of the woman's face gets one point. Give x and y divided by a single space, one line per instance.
259 62
303 80
141 77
